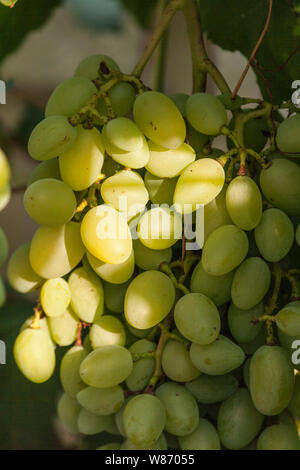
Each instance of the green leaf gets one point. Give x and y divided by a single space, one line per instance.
142 10
237 25
17 22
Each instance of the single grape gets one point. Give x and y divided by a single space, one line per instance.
196 139
68 411
161 190
90 424
45 170
107 330
114 296
148 259
69 370
20 273
206 113
159 228
216 214
160 444
101 402
288 319
123 134
242 323
136 159
244 202
64 328
209 389
217 288
180 100
143 368
89 67
169 163
287 137
204 437
55 296
278 437
122 97
113 273
176 363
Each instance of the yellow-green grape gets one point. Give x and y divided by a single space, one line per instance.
50 202
280 184
218 358
181 408
87 297
111 427
239 422
197 318
161 190
2 293
122 96
271 380
20 273
90 424
34 355
139 333
216 214
288 319
113 273
274 235
5 195
69 370
110 166
55 296
294 405
114 295
159 119
107 330
160 444
159 228
64 328
180 100
55 251
225 248
81 164
106 366
287 137
148 259
250 283
176 363
279 437
149 299
298 234
110 446
242 324
89 67
252 346
4 170
144 419
198 184
68 411
169 163
217 288
204 437
136 159
209 389
123 134
3 246
51 137
46 169
119 416
143 367
244 202
106 235
70 96
196 139
43 325
101 402
206 113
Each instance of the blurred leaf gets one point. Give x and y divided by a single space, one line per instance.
17 22
142 10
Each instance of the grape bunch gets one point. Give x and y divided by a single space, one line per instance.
168 347
5 193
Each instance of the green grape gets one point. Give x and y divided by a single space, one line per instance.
274 235
50 202
20 273
255 134
87 299
122 97
160 444
250 347
204 437
110 167
149 299
81 164
111 427
90 424
239 422
123 134
294 405
118 417
43 325
278 437
101 402
176 363
113 273
181 408
180 100
3 246
197 318
69 370
298 234
64 328
89 67
70 96
144 419
34 355
271 380
250 283
68 412
110 446
45 170
5 173
196 139
231 104
143 368
242 322
107 330
161 190
244 202
106 366
136 159
280 184
148 259
210 389
217 288
55 251
287 137
288 319
159 119
206 113
169 163
51 137
198 184
216 214
159 228
106 235
139 333
55 296
218 358
5 195
87 344
2 293
225 248
114 296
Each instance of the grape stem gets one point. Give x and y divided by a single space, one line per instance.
38 311
160 67
272 305
295 294
165 268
